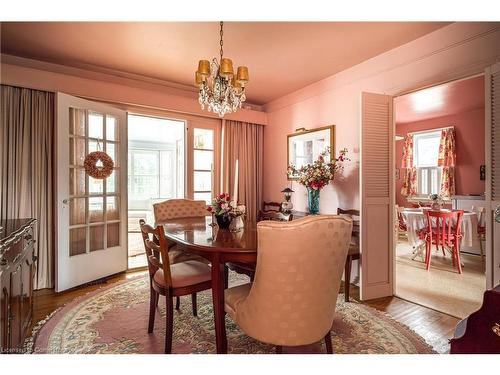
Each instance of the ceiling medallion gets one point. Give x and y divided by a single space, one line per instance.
220 90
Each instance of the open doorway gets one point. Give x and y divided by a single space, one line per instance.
156 171
440 157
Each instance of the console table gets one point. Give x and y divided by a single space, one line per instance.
17 270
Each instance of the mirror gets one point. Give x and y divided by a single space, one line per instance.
304 146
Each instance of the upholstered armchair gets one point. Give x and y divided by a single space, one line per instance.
178 209
293 297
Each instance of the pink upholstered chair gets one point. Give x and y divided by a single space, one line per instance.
293 297
176 209
170 280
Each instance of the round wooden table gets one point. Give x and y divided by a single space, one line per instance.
197 236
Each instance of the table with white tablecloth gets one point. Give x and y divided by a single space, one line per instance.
416 220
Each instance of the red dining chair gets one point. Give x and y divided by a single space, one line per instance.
443 229
481 229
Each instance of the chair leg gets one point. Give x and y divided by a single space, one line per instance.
157 299
428 252
328 343
153 297
279 349
169 324
177 303
457 254
347 278
193 302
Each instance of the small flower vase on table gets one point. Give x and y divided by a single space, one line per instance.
313 200
223 221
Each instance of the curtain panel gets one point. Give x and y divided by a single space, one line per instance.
409 187
26 168
447 159
243 142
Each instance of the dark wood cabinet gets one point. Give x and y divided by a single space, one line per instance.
17 270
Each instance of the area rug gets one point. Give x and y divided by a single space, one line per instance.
114 319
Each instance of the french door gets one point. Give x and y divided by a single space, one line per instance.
377 196
492 142
91 213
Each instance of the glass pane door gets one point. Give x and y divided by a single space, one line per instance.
203 162
94 204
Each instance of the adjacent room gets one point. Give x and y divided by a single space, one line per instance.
440 162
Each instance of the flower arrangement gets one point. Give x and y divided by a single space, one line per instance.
319 174
221 205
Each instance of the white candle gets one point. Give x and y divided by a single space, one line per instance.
235 190
213 180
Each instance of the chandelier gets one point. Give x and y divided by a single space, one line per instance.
220 90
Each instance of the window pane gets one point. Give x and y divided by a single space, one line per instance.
113 234
111 182
77 241
145 163
112 150
96 124
76 151
112 209
76 181
204 139
207 197
203 160
427 149
434 181
96 237
202 181
145 187
167 174
111 131
96 209
96 186
424 182
77 121
77 211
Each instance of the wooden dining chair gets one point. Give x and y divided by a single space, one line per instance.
293 298
177 209
443 229
481 229
170 280
353 253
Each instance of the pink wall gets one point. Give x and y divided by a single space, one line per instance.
469 131
458 50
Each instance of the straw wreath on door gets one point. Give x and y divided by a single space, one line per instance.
98 164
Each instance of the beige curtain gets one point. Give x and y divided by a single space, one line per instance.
245 142
26 169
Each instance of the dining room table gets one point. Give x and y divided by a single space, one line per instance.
416 220
202 237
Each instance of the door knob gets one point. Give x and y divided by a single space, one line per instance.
66 201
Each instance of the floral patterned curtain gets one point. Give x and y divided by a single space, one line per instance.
447 159
409 187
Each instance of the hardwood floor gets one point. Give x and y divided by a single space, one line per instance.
432 325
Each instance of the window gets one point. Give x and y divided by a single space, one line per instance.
203 155
425 159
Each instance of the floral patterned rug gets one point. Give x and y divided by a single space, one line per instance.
114 319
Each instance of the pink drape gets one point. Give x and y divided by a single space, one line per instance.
245 142
447 159
26 169
409 187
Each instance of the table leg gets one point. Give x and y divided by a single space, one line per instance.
218 302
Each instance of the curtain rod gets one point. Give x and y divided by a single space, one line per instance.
431 130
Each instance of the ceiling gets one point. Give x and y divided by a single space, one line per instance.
281 56
443 100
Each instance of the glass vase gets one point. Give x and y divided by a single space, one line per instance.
223 221
313 200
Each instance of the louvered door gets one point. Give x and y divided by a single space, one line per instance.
492 133
377 197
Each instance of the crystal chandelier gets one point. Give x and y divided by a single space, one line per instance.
220 90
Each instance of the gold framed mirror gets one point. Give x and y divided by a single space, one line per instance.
304 146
